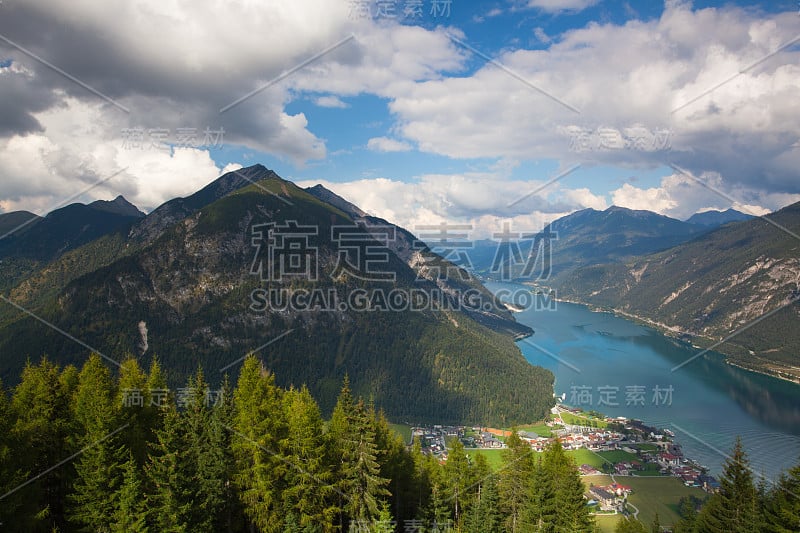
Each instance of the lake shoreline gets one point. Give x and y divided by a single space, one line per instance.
678 334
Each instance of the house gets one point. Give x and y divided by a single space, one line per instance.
488 441
708 483
607 500
619 489
668 459
588 470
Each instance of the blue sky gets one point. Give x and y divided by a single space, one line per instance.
636 103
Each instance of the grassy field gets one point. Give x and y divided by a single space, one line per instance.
606 523
403 430
582 456
493 457
652 495
618 456
576 420
540 429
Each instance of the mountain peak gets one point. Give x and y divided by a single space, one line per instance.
330 197
117 206
714 218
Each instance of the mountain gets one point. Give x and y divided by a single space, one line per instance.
589 237
11 221
68 228
178 209
118 206
194 283
713 286
330 197
714 218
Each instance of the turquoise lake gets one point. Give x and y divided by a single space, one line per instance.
600 359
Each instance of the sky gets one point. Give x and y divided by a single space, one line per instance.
419 111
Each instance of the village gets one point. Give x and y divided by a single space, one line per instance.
625 448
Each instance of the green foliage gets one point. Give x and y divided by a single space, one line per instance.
260 426
40 407
735 508
352 436
571 513
427 366
629 525
129 511
265 460
96 416
514 481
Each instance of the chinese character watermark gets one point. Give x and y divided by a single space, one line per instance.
139 138
602 139
184 397
607 395
402 10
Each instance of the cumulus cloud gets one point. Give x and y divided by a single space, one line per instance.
175 66
681 196
171 67
484 200
385 144
555 6
655 74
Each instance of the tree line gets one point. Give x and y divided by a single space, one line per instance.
88 450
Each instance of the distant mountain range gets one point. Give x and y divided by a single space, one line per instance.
46 238
716 285
714 219
180 282
591 237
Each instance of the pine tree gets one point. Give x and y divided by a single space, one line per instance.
438 509
540 514
397 466
12 505
134 400
232 514
129 511
260 428
96 416
206 465
483 516
358 472
40 407
515 480
421 479
457 479
629 525
687 508
571 512
169 479
782 506
735 507
309 494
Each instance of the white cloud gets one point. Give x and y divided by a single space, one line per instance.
331 101
618 76
216 57
541 35
680 197
652 199
385 144
555 6
484 200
